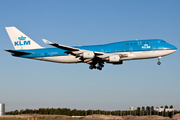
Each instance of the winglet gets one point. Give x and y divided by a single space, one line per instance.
46 41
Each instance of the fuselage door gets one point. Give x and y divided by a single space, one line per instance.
101 50
42 56
130 49
139 43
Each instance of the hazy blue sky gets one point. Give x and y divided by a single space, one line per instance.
37 84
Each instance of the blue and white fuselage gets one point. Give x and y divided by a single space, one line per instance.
114 53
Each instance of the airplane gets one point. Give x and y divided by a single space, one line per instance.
94 55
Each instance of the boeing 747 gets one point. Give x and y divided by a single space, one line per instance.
94 55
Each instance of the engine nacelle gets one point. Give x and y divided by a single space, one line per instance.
114 58
88 55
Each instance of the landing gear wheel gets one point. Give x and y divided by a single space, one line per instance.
159 63
94 67
91 67
102 65
99 68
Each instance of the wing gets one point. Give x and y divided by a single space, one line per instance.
86 56
71 50
60 46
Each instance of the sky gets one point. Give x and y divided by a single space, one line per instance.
33 84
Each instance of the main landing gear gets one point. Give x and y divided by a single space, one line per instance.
92 67
159 62
99 67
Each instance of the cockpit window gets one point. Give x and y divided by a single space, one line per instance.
163 41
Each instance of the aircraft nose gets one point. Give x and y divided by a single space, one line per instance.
174 47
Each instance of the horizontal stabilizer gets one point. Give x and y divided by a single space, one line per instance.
18 53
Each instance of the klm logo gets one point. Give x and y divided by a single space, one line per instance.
146 46
22 41
22 38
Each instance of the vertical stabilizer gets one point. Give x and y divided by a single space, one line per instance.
21 41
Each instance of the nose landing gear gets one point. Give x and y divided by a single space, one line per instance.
159 62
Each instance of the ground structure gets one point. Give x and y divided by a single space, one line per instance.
95 116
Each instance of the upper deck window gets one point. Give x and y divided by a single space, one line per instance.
130 44
146 42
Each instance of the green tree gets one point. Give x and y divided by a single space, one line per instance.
21 111
40 111
166 107
74 112
162 112
152 110
16 112
171 106
56 112
143 110
166 113
147 109
51 111
138 110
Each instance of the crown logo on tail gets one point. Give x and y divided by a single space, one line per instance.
21 38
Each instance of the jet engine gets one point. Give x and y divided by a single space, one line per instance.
113 59
88 55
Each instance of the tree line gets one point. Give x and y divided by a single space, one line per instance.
66 111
